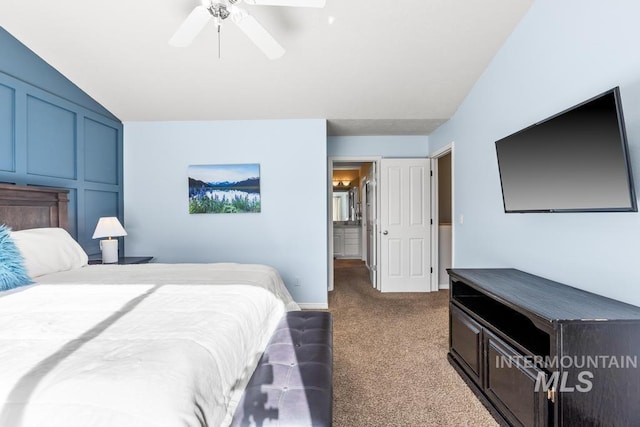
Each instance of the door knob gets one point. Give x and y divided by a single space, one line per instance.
385 232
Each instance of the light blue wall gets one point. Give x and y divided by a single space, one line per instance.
53 134
383 146
562 53
289 234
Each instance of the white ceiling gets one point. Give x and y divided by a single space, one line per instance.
370 67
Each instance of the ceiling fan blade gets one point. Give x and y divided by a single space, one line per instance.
191 27
294 3
257 33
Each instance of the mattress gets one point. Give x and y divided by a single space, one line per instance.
135 345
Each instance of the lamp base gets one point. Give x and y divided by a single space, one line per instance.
109 251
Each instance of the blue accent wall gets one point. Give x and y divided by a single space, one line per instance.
54 134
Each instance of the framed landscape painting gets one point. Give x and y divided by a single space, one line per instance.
224 188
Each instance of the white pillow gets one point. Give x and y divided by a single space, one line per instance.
49 250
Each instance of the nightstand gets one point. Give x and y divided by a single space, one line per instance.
125 260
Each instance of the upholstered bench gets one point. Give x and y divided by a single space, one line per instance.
292 385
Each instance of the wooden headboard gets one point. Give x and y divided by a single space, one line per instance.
23 207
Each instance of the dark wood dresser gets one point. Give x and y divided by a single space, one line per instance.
540 353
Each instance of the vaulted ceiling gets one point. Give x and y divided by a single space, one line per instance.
370 67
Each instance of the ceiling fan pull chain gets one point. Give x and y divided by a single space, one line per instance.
219 41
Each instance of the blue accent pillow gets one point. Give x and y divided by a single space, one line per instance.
12 270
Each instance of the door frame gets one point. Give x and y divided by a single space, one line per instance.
330 162
443 151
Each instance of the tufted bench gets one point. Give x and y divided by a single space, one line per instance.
292 385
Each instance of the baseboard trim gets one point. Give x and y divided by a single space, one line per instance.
314 305
443 285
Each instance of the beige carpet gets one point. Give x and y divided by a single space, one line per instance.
390 358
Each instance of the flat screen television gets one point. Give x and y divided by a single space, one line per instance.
575 161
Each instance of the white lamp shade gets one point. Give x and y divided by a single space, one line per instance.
109 227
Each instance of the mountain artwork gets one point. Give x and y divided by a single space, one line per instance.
231 188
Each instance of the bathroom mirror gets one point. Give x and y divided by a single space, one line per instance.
346 204
341 205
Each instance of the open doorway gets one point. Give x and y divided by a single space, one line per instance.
352 216
394 240
442 233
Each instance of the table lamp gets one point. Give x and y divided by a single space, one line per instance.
109 227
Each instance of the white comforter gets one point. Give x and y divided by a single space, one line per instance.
141 345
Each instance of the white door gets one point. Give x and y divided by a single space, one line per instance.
405 230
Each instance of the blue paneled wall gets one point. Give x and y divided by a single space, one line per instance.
53 134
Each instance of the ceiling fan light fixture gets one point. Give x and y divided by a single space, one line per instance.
223 12
218 10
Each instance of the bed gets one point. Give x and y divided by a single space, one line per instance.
125 345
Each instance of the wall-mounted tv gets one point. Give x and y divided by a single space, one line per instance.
575 161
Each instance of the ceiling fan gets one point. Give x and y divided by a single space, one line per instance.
219 10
